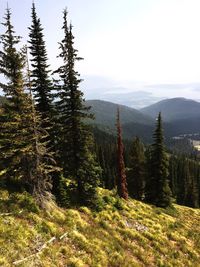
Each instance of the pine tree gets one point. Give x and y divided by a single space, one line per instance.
187 184
136 174
11 64
75 141
23 154
157 187
173 175
102 163
40 81
106 155
41 85
121 183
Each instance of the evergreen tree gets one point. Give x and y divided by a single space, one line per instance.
136 174
23 154
157 187
187 184
41 86
121 183
11 65
106 155
75 141
173 165
11 62
102 163
40 81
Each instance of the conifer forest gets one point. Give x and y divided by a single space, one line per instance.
48 148
90 183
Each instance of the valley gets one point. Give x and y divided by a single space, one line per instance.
181 118
95 183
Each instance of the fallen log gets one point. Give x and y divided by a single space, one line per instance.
37 253
63 236
10 213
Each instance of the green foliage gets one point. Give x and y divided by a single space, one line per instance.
119 204
27 138
184 180
40 81
23 150
13 114
75 144
67 192
41 85
15 202
105 114
24 201
106 151
157 189
136 174
138 235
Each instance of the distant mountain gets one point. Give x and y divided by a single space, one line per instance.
105 113
174 109
181 116
145 132
133 121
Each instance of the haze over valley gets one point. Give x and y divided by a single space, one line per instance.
136 94
100 133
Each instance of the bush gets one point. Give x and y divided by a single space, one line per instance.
23 201
67 192
119 204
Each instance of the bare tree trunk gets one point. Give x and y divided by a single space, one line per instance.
122 183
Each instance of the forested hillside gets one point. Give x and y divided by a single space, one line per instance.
180 116
72 194
174 109
105 113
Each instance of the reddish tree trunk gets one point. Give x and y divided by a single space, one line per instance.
122 183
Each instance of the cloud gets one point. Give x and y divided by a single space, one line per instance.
136 94
175 86
135 99
187 90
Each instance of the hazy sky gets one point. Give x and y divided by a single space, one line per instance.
151 46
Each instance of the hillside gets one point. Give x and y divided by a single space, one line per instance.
132 129
122 234
105 113
181 116
171 129
174 109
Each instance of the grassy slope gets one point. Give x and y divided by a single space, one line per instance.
135 235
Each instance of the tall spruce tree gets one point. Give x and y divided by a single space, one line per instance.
23 154
157 187
136 174
41 86
40 80
75 141
187 182
121 182
173 174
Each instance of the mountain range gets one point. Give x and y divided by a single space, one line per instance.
174 109
180 116
105 113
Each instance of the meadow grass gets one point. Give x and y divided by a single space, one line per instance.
121 233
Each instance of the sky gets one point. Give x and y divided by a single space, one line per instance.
135 51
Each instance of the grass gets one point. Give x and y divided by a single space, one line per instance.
120 234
